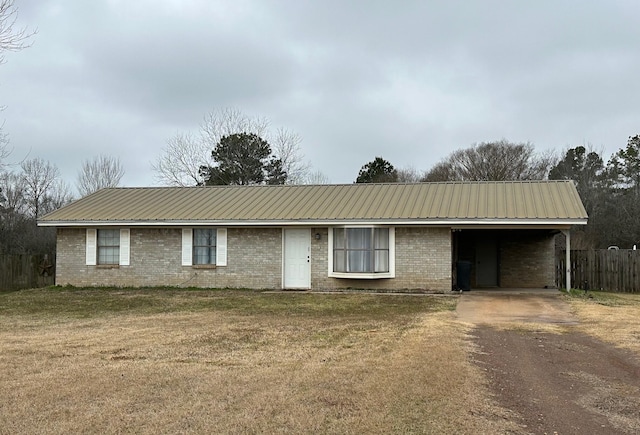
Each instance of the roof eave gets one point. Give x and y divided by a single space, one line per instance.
455 223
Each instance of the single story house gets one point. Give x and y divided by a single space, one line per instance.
394 236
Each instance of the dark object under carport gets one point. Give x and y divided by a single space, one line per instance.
463 275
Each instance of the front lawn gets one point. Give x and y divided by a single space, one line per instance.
218 361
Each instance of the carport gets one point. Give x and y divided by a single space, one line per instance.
503 258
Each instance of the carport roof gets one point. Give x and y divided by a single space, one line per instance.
447 203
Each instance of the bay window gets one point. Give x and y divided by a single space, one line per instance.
362 252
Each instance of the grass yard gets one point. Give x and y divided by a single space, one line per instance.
611 317
181 361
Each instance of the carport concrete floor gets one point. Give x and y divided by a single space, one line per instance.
514 305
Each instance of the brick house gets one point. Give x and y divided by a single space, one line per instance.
419 236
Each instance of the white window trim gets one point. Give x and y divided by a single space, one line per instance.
221 247
360 275
125 246
187 247
91 247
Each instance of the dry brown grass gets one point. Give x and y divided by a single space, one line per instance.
235 370
614 318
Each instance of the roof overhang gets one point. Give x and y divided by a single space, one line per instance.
453 223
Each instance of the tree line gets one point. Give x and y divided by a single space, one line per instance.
609 191
34 188
241 156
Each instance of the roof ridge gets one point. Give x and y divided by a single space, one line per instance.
275 186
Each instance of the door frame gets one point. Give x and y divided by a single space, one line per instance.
307 231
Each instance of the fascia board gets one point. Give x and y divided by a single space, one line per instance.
454 223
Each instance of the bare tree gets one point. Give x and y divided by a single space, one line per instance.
227 121
409 174
315 177
40 182
492 161
180 162
12 214
103 171
59 195
4 149
286 145
19 233
12 193
11 38
442 171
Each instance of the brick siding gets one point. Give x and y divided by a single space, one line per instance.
423 262
527 260
254 260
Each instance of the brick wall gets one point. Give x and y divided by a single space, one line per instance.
254 258
527 259
423 262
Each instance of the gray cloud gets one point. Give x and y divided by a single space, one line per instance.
410 81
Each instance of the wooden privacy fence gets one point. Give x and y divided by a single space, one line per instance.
601 269
26 271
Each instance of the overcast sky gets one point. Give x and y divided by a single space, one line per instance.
410 81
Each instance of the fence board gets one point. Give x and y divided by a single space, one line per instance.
26 271
602 269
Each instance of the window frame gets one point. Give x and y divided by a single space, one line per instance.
194 247
187 248
91 247
362 275
99 247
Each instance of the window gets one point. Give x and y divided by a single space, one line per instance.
204 246
365 251
108 246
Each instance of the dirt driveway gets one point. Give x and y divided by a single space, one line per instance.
564 383
509 306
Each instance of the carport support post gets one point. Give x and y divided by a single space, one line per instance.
567 261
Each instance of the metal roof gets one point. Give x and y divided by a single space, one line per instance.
514 202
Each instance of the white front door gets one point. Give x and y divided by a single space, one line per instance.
297 258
